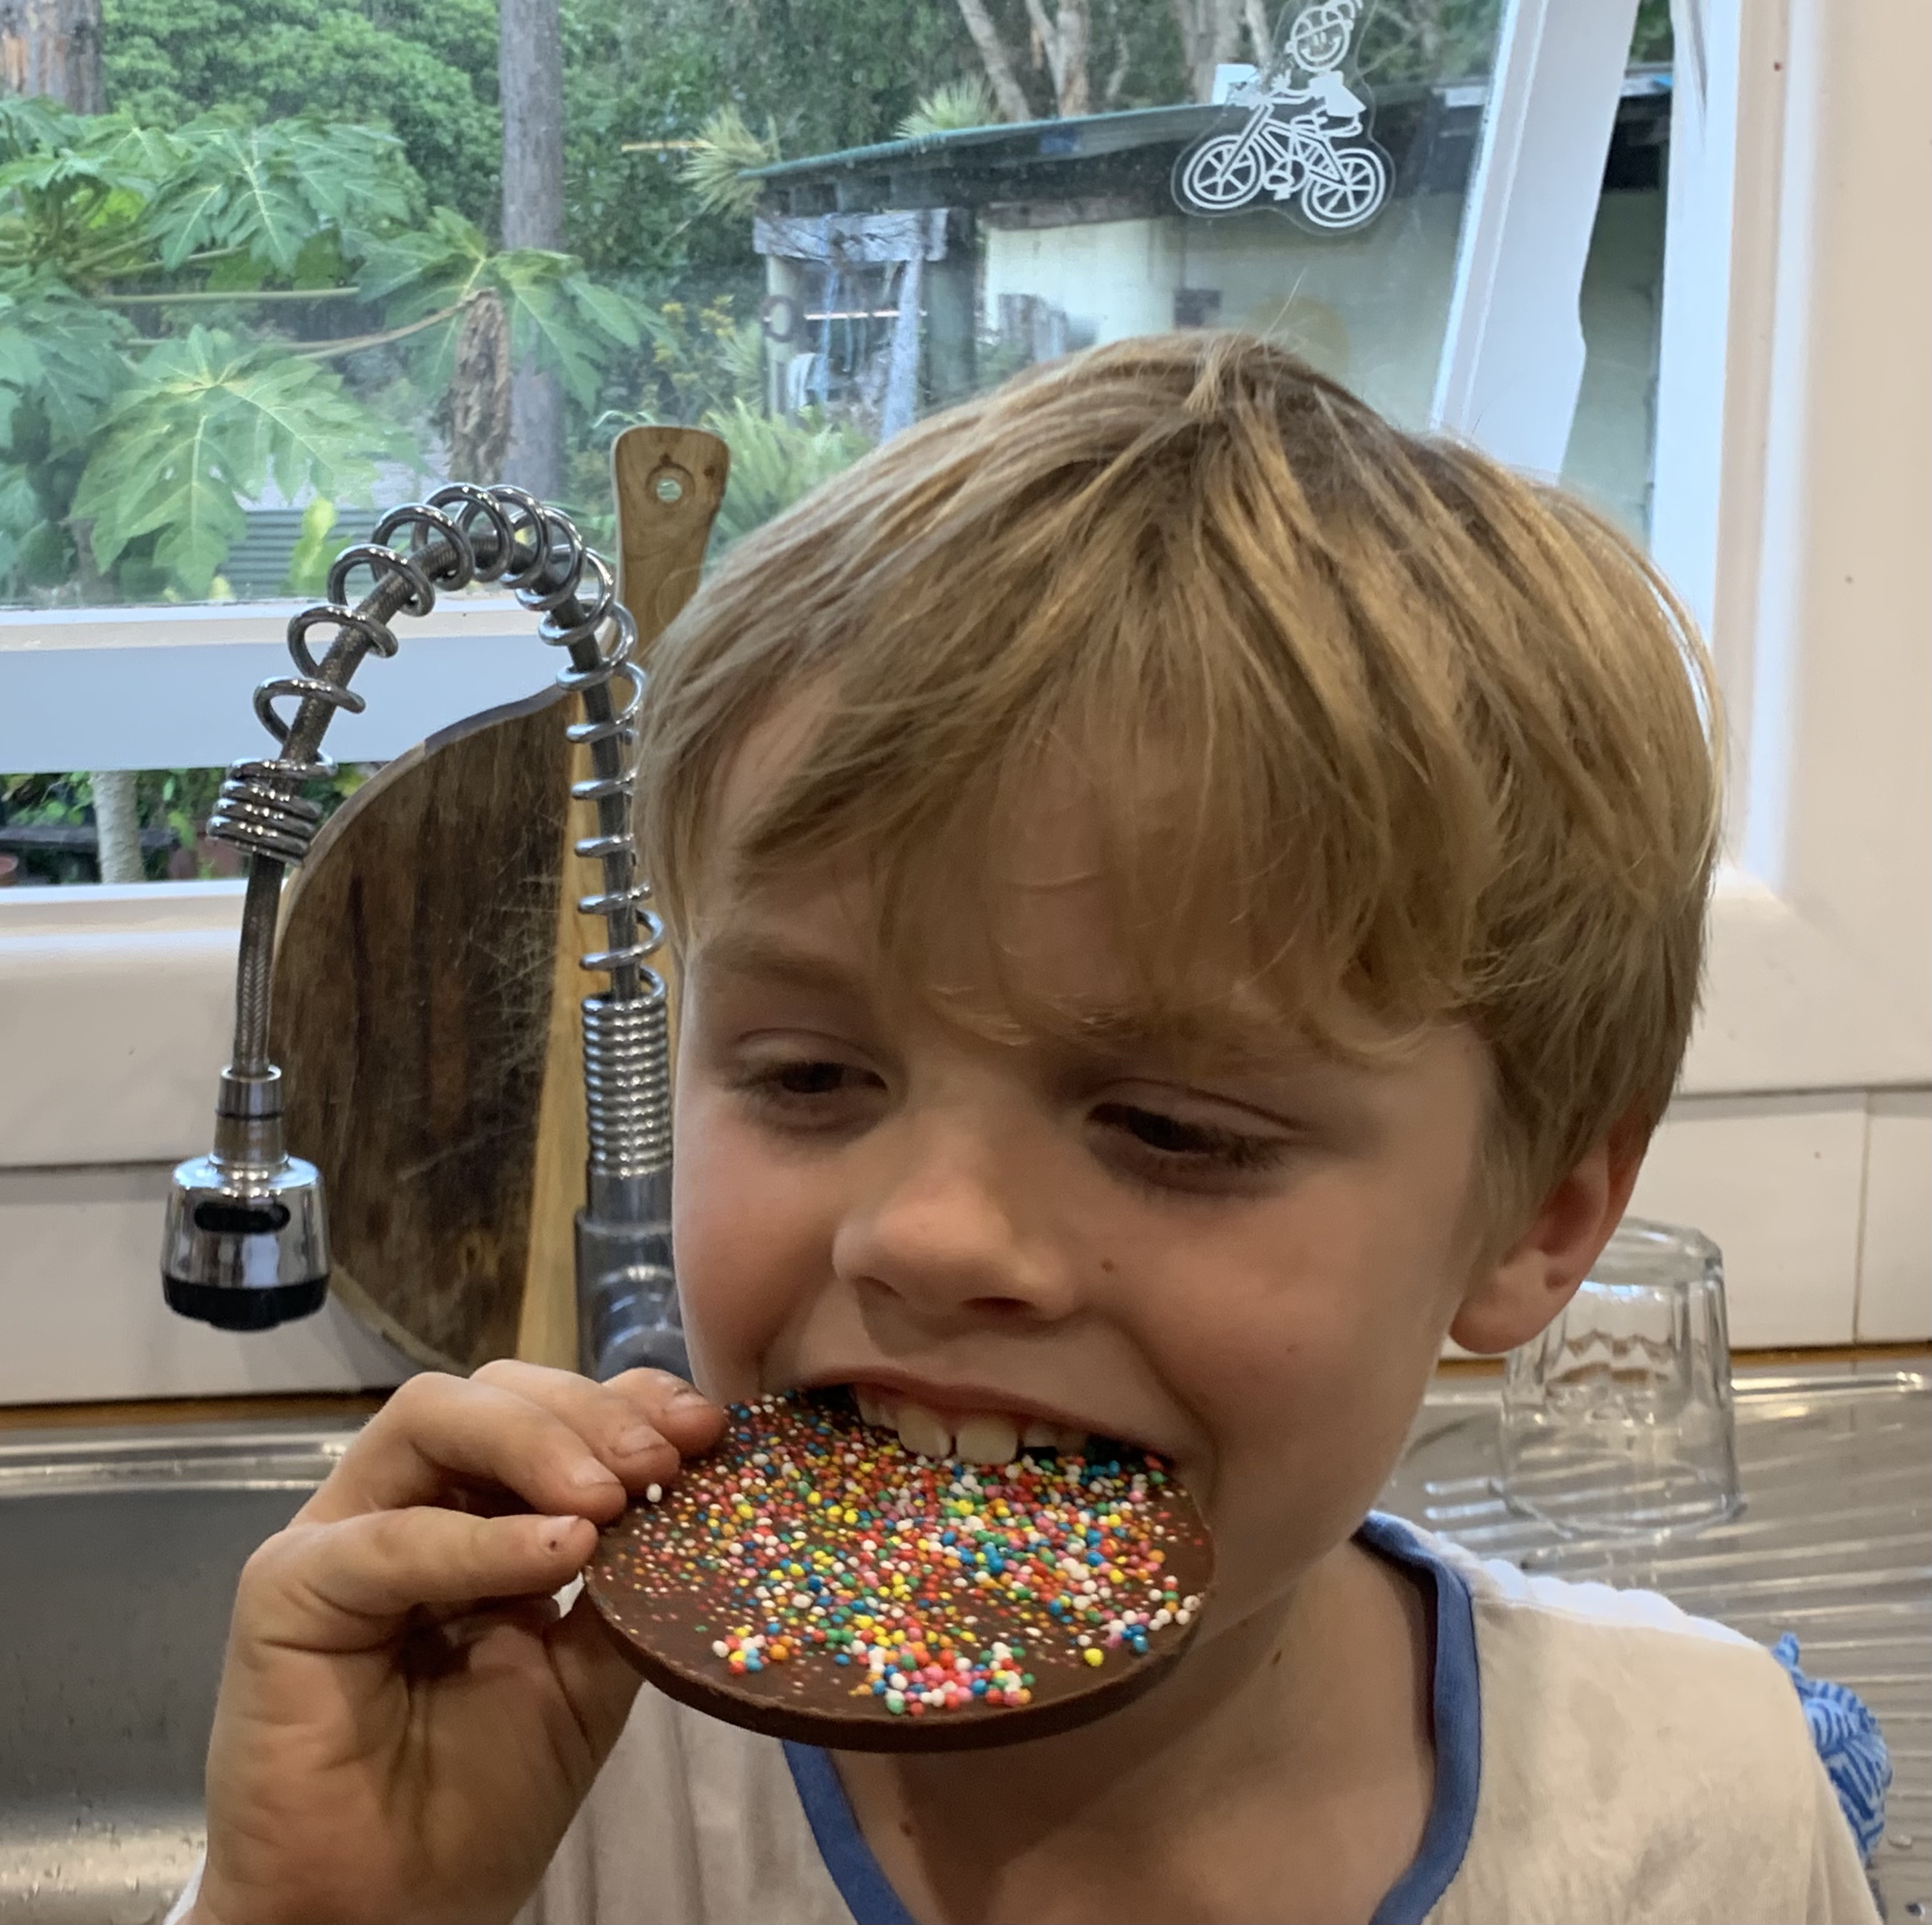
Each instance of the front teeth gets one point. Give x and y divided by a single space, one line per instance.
923 1433
986 1440
982 1438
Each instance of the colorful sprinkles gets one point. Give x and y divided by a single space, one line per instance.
937 1587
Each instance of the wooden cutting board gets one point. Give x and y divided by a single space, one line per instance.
427 985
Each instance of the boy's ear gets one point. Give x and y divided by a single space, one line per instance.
1508 1303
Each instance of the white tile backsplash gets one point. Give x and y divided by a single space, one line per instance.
1895 1268
81 1315
1776 1183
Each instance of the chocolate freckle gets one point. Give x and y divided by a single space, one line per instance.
816 1553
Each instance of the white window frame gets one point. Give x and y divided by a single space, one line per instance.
170 687
1797 305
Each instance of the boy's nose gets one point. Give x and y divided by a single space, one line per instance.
950 1229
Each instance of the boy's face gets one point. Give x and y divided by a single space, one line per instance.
1245 1259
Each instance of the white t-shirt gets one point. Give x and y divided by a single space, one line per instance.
1601 1758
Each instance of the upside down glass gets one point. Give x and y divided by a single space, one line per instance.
1617 1420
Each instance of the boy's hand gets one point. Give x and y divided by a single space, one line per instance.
405 1725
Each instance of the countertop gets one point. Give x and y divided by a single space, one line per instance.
1834 1543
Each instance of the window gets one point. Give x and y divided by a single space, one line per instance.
317 312
893 212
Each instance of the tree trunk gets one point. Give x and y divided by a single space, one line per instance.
1210 33
530 69
994 57
117 826
1064 38
1261 37
476 408
53 47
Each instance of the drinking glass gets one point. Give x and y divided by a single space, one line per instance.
1617 1420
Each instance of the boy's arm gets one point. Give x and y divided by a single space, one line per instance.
405 1725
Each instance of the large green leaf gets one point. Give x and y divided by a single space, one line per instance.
152 154
62 354
617 315
267 191
207 422
20 516
32 124
559 321
546 331
431 267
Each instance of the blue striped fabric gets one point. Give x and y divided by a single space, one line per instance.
1849 1742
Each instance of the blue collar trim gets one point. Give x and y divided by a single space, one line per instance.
1456 1696
1457 1699
868 1895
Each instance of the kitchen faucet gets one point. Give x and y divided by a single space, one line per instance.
246 1246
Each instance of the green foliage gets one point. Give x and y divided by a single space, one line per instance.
559 317
830 74
71 190
948 109
205 421
60 801
425 69
714 168
157 443
774 462
265 194
180 800
1651 42
1454 39
315 549
61 365
100 199
702 361
1428 40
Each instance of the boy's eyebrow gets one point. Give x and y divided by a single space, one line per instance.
1219 1038
754 953
1223 1037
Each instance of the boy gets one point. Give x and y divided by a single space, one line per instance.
1187 897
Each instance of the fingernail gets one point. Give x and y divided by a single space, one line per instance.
555 1531
688 1393
595 1477
637 1441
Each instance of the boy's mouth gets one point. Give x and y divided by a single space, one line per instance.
929 1428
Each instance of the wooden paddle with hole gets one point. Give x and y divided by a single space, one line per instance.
427 986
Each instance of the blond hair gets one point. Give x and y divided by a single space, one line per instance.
1375 728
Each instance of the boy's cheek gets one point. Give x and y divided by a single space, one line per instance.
748 1247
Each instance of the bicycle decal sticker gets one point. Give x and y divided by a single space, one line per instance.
1303 143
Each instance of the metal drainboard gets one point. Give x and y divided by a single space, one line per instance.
1834 1543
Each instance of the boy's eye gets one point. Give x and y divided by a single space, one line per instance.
1159 1137
806 1090
808 1079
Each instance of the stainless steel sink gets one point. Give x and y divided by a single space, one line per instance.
119 1551
119 1555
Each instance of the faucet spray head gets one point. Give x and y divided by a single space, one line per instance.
246 1246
